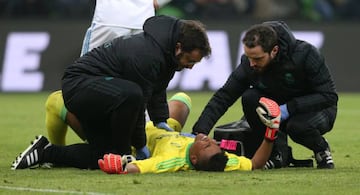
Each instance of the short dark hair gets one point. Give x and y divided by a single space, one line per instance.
193 36
216 163
261 34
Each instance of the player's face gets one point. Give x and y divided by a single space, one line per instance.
188 59
259 59
205 147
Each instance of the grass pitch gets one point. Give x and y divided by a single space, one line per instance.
22 117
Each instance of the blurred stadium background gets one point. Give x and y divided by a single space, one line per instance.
39 38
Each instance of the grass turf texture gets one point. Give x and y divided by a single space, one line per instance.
22 117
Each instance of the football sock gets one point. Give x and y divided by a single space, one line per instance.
182 97
55 118
174 124
81 156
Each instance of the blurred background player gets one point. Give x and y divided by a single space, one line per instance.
111 19
114 18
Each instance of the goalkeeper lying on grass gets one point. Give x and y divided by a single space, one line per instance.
170 151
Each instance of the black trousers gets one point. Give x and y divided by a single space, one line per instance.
111 112
305 129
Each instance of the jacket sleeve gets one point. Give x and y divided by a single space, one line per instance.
323 93
226 96
157 107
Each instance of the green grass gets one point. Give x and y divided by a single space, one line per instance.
22 116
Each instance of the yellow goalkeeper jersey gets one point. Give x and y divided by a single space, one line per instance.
170 152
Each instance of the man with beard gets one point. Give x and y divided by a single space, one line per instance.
109 88
106 25
291 72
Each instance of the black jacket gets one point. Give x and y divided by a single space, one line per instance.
299 77
147 59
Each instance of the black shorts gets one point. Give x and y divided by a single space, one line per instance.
109 110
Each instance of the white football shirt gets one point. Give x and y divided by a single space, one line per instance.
123 13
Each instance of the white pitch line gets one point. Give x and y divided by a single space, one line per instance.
48 190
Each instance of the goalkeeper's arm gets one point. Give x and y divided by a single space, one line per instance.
262 154
132 168
269 114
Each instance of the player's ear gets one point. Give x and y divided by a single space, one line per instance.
177 48
193 159
274 51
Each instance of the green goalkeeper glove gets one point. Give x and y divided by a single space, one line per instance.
270 115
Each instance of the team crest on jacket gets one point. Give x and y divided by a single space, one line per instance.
289 78
261 85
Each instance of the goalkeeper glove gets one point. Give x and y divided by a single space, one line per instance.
115 164
164 125
270 115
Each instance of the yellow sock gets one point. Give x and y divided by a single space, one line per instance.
174 124
182 97
55 118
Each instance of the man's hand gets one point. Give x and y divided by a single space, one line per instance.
284 112
269 114
187 134
164 125
142 153
114 164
